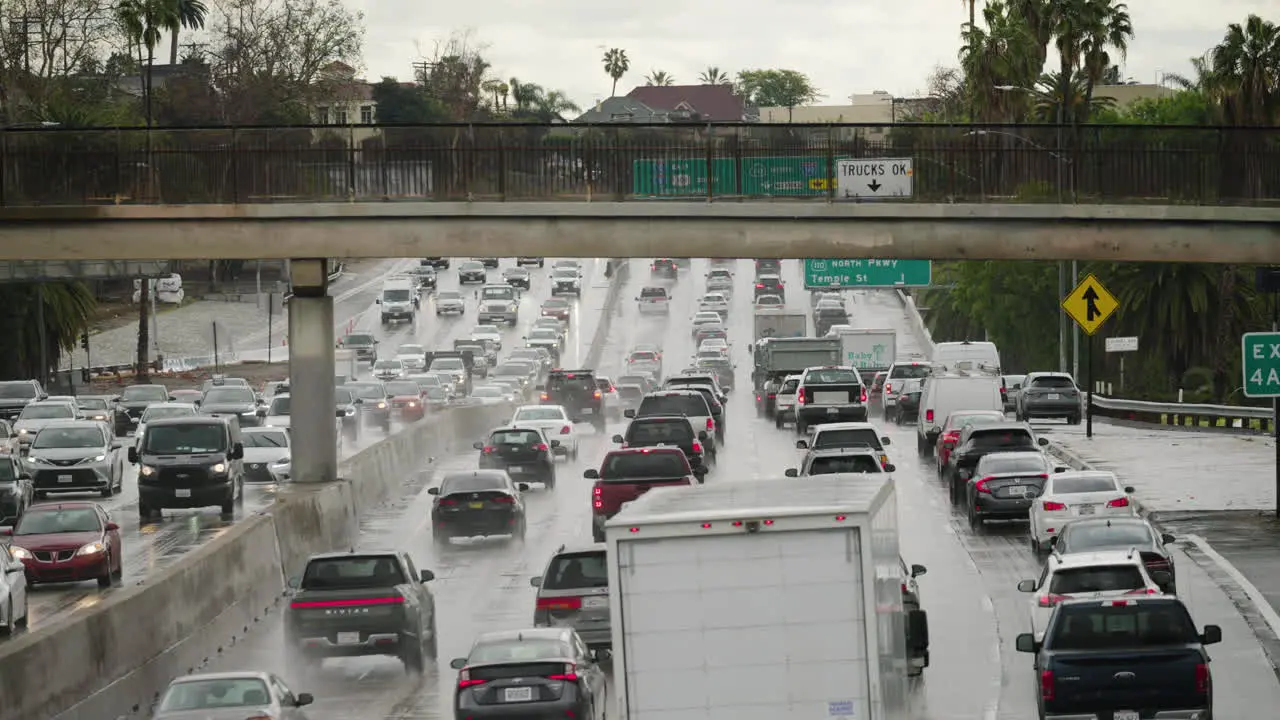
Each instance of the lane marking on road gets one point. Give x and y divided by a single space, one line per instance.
1268 613
992 709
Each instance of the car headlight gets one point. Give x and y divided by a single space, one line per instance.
146 471
350 412
24 431
36 460
20 553
249 413
412 403
99 417
218 468
93 548
382 406
282 461
98 458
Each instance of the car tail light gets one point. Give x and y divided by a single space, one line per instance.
711 424
759 285
864 395
597 395
799 396
566 430
490 449
928 416
1204 680
1143 591
505 500
597 500
981 486
570 674
465 681
447 502
1051 599
888 387
773 396
904 588
559 603
541 446
697 447
1051 506
1046 685
389 600
545 396
1119 503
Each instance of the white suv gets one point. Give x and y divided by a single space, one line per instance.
1105 574
784 401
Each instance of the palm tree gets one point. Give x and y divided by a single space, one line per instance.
714 76
1000 55
616 65
659 78
189 14
498 90
1247 65
143 22
972 17
1109 27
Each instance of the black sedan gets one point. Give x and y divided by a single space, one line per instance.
477 503
525 453
541 672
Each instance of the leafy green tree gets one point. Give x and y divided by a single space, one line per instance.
189 14
777 88
659 78
402 103
713 76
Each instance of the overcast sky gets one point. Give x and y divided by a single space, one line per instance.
845 47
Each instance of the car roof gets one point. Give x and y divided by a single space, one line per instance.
581 547
535 407
1086 473
660 418
234 675
858 450
1110 521
198 419
51 402
1000 426
62 504
176 404
668 392
263 429
541 633
374 552
668 449
844 426
506 428
1096 557
1023 453
1047 374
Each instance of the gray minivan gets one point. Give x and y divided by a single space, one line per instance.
574 592
189 462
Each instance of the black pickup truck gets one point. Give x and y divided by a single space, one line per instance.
1124 659
357 604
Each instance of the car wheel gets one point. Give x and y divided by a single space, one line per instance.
432 647
110 489
597 535
104 580
975 521
1035 542
229 505
550 480
7 628
777 421
21 620
411 656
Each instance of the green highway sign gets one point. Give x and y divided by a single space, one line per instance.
1261 363
761 176
869 272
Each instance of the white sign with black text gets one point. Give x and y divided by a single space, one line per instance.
1122 344
874 178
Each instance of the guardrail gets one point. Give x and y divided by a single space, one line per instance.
1231 417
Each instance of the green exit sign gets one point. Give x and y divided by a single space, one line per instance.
867 273
1261 363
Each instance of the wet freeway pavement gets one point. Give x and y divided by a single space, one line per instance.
969 591
153 546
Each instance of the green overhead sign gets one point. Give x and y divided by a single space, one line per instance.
764 176
867 272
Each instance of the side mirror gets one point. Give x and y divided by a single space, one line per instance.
555 443
426 576
628 413
294 582
24 476
1061 469
458 663
133 455
1212 635
522 487
702 435
1128 489
890 467
617 439
536 581
433 491
1042 442
1027 586
802 445
173 398
917 570
1162 577
115 399
1026 642
477 445
112 526
117 444
377 301
196 402
1053 541
341 413
591 474
303 699
792 472
237 451
1016 386
1166 538
885 441
262 412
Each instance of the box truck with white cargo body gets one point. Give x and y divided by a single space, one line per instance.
770 599
870 351
779 324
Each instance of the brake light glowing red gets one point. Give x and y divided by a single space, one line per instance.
759 285
1051 506
1051 599
465 681
559 603
597 500
981 485
566 430
1119 503
447 502
706 526
928 416
864 395
545 396
697 447
541 446
490 449
505 500
570 674
1204 680
1046 685
888 387
711 424
394 600
1143 591
597 394
799 396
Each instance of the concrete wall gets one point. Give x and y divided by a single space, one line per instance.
1247 235
120 651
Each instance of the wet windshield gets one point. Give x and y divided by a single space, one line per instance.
515 437
356 571
672 432
1017 463
215 694
1097 578
541 413
909 371
1054 382
447 364
844 464
1070 485
518 651
487 391
1091 626
579 570
499 293
92 403
85 437
644 465
229 396
17 391
187 439
141 393
1096 536
403 388
279 406
410 350
266 439
47 412
472 482
847 438
64 520
991 439
358 340
370 392
396 295
160 413
692 405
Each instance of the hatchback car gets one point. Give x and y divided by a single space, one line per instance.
1102 574
535 672
67 542
1084 536
574 592
232 695
525 453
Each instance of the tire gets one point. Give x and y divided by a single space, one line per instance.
411 656
1073 420
440 539
26 613
521 531
7 629
432 647
104 580
573 453
109 490
1036 547
920 447
975 522
596 534
229 505
777 421
550 481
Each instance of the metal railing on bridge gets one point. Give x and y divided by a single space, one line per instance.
614 162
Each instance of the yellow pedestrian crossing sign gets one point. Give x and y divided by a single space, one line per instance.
1090 304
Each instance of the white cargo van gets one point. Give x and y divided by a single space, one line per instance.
947 393
949 354
759 600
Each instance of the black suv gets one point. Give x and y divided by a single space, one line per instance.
670 430
664 268
770 284
979 440
189 462
830 394
525 453
578 392
1132 657
435 262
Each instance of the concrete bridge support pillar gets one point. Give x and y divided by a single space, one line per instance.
311 373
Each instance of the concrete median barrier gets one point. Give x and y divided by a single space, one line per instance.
108 661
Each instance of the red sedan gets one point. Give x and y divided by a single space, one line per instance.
406 399
557 308
68 542
954 425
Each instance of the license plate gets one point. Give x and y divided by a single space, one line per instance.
1124 715
256 466
476 506
64 478
595 602
588 411
1086 510
1017 491
515 469
518 694
348 638
181 492
833 411
1056 396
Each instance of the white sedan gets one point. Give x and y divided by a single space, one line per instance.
413 357
718 344
554 421
714 302
769 301
1070 496
488 333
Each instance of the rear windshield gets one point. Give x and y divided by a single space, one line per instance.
396 295
515 437
1069 485
370 391
909 371
670 431
630 392
352 572
1053 381
403 388
693 405
833 376
653 293
472 482
641 465
280 405
789 387
577 570
1093 536
847 438
584 383
989 439
358 340
1099 578
1021 463
844 464
960 420
643 357
229 395
1089 626
144 392
17 391
216 694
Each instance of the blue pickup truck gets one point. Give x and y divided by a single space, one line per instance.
1129 658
